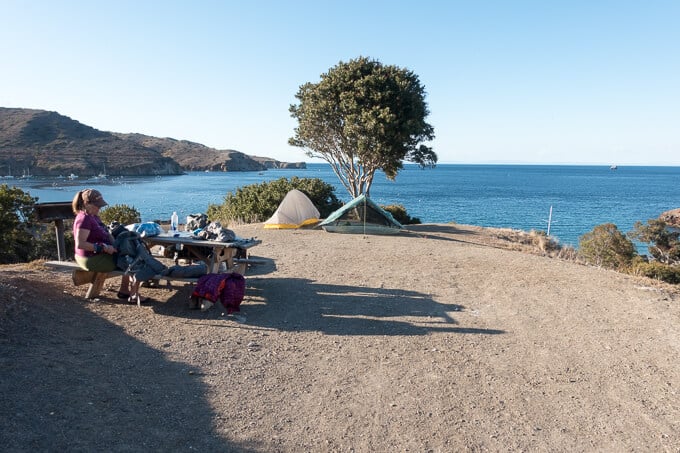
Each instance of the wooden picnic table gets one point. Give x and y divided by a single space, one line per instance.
212 253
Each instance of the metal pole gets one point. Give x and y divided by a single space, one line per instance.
549 220
61 247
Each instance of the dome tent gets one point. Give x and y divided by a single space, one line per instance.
361 216
295 211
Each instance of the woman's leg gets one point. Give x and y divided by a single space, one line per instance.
124 286
96 263
135 297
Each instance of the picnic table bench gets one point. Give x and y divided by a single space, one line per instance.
219 257
96 279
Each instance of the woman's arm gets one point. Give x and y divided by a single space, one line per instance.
81 240
81 243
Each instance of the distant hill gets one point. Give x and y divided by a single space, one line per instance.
45 143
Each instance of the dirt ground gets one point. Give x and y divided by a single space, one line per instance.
441 340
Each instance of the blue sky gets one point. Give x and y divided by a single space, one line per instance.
507 81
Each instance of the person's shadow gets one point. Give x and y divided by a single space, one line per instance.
73 381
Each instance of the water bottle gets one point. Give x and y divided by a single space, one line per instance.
174 220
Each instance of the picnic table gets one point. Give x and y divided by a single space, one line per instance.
218 256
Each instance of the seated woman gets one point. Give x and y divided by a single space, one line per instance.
94 250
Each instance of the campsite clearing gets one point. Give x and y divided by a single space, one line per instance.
464 345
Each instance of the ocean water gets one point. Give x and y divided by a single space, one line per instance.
509 196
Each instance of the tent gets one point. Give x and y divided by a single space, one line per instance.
295 211
362 216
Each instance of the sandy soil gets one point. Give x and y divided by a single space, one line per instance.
443 340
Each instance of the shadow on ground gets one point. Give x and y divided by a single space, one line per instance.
72 381
436 231
305 305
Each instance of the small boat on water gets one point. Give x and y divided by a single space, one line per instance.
72 176
614 167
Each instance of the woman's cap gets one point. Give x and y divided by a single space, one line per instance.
92 196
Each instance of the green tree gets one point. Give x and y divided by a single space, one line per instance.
663 243
361 117
606 246
17 217
120 213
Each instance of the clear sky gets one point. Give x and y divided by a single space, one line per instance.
507 81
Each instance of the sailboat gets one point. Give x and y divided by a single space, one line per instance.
9 174
101 175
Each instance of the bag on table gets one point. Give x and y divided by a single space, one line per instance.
216 232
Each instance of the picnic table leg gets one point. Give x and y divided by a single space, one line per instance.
96 285
81 276
224 255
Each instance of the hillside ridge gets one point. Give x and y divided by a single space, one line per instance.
46 143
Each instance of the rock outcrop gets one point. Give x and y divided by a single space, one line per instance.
671 217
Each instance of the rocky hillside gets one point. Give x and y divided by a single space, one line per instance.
46 143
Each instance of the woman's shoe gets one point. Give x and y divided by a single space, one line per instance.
136 299
123 295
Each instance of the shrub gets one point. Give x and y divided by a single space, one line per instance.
400 215
607 247
258 202
663 243
543 242
656 270
17 218
45 242
120 213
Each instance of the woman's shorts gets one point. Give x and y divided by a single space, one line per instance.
97 263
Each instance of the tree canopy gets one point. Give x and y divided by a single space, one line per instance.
16 221
361 117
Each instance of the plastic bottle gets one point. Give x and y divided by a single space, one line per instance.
174 221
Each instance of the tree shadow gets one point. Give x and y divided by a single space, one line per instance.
72 381
431 231
305 305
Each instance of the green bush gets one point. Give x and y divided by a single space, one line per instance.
258 202
607 247
663 243
17 222
45 242
656 270
120 213
400 215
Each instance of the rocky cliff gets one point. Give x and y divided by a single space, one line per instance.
671 217
46 143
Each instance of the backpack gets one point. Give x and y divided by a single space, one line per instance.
134 257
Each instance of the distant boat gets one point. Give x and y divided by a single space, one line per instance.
614 167
72 176
103 174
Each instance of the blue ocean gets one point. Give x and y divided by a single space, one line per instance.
508 196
